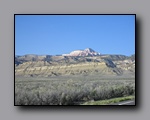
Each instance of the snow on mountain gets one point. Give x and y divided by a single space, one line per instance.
86 52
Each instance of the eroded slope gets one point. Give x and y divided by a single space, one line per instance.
46 66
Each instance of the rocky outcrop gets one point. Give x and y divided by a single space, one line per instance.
42 68
86 52
86 64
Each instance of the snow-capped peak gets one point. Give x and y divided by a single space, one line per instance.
86 52
89 50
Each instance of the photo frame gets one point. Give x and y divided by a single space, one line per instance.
74 59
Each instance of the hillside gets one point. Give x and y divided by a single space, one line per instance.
81 64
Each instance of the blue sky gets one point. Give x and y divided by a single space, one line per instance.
59 34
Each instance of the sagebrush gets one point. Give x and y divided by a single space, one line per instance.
70 92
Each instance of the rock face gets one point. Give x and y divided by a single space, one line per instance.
86 62
72 69
86 52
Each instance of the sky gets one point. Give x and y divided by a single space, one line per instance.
62 34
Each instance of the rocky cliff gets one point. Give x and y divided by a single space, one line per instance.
47 65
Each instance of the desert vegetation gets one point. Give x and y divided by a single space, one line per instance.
70 91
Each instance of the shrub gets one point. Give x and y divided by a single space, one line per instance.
70 92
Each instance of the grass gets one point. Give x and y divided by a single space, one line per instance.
69 91
110 101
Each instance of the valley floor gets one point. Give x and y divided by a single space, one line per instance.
71 90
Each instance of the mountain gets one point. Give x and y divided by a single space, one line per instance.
86 52
79 62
